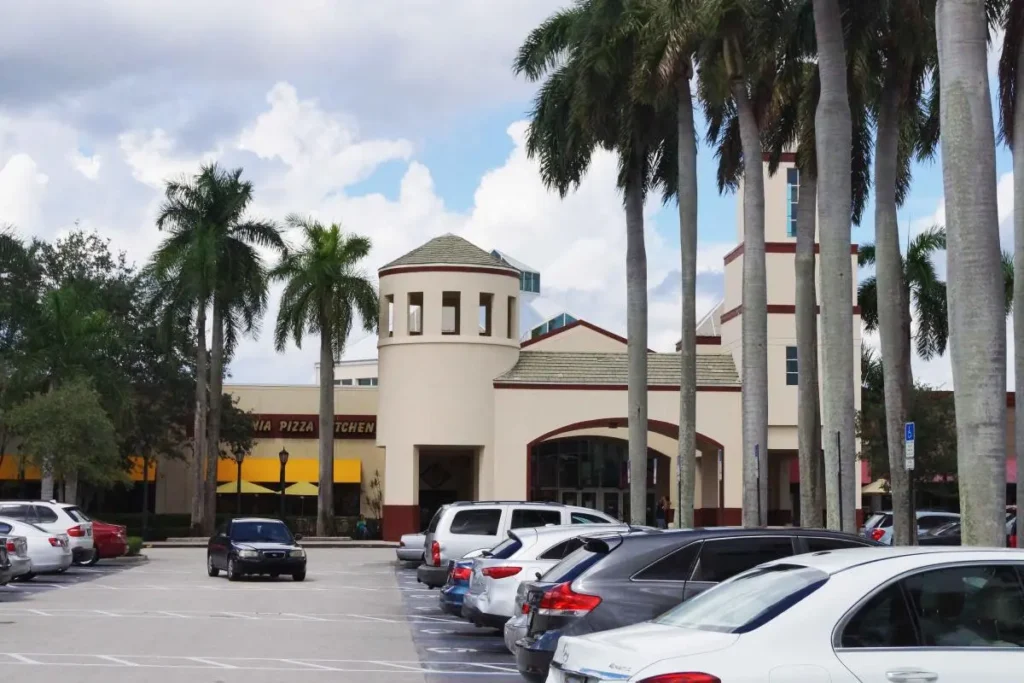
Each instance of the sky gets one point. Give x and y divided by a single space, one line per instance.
399 119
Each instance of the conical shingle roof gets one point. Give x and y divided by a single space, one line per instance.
449 250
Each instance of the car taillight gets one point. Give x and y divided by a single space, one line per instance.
76 531
1013 541
876 534
689 677
562 601
500 572
526 608
11 548
435 554
54 541
461 574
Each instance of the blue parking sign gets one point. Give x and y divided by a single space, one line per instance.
909 432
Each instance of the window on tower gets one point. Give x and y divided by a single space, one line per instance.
792 199
792 366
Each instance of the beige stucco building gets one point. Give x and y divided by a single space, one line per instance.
464 407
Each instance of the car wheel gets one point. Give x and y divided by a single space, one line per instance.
62 570
299 576
210 569
26 577
93 560
232 572
274 575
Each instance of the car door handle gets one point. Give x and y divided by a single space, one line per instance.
910 675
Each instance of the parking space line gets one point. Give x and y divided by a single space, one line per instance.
117 660
312 665
239 615
23 659
401 667
307 617
203 660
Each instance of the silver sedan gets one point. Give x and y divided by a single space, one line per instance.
410 548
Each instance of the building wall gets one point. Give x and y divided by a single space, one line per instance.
577 337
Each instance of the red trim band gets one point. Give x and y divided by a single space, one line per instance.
551 386
779 248
774 309
399 270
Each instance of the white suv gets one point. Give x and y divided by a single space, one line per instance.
461 528
56 518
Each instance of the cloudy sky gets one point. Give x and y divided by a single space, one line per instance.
400 119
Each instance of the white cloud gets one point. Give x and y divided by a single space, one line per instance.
21 190
153 158
87 166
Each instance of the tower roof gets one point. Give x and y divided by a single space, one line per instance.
450 250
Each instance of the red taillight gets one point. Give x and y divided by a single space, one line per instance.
526 608
1013 541
500 572
11 548
689 677
564 602
54 541
876 534
76 531
461 574
435 554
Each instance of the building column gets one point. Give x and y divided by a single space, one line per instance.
401 492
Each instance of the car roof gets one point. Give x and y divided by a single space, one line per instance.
834 561
562 529
257 519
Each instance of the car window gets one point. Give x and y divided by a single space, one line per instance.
816 544
77 514
476 522
260 532
874 520
16 511
505 549
584 518
675 566
722 559
432 527
979 606
525 518
5 528
884 621
44 515
931 521
562 550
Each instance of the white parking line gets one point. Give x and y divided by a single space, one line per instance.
332 617
117 660
310 665
203 660
23 659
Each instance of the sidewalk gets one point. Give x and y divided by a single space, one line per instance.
306 542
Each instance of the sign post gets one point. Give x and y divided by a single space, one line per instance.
909 439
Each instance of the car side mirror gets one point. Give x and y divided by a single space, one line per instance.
538 574
298 537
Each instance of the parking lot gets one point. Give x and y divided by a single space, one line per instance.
357 617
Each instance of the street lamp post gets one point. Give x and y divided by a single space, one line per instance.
283 455
239 456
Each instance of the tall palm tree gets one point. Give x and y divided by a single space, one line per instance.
588 55
325 290
834 138
976 296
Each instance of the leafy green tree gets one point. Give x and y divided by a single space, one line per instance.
325 290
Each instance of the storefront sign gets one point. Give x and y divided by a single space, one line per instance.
308 426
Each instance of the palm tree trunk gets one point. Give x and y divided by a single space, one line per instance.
199 426
1018 267
977 328
325 495
893 309
687 197
832 125
636 333
808 414
145 496
46 475
755 317
71 488
213 428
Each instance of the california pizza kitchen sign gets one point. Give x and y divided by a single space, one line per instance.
308 426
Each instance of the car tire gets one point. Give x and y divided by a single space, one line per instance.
93 560
232 572
299 576
274 575
26 577
210 569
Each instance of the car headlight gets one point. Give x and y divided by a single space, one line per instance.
298 552
248 554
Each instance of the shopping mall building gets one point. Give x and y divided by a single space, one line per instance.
481 388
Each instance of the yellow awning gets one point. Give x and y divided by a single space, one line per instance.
298 469
302 488
247 487
10 464
879 486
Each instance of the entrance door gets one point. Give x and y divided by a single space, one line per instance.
611 503
588 499
570 498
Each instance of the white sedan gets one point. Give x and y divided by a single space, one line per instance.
867 615
49 552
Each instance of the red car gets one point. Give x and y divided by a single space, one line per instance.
111 540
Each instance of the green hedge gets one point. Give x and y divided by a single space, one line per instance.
134 546
163 526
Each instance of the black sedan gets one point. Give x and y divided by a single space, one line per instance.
255 546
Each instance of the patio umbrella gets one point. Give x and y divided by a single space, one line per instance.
302 488
247 487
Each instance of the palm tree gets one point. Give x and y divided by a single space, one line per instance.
976 295
324 291
210 258
588 55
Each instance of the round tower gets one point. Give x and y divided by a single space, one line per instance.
449 324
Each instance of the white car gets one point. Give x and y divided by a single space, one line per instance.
55 518
524 556
16 547
48 552
866 615
410 548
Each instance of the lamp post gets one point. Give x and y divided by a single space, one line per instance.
239 457
283 455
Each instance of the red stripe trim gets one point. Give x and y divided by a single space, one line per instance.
779 248
398 270
775 309
550 386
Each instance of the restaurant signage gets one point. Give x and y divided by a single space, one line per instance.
308 426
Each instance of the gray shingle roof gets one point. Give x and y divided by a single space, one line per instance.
448 250
551 367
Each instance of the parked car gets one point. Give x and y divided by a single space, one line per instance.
253 545
6 571
878 526
111 540
48 553
459 528
636 576
17 554
525 555
870 614
55 518
453 593
410 548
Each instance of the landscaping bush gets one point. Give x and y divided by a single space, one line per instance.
134 546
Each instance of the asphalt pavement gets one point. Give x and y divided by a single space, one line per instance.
356 617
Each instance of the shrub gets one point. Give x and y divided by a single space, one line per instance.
134 546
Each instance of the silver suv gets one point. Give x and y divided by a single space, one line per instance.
459 529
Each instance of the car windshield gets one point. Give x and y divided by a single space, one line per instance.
573 565
77 515
746 601
256 532
875 520
950 528
505 549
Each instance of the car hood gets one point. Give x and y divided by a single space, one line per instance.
266 545
620 653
